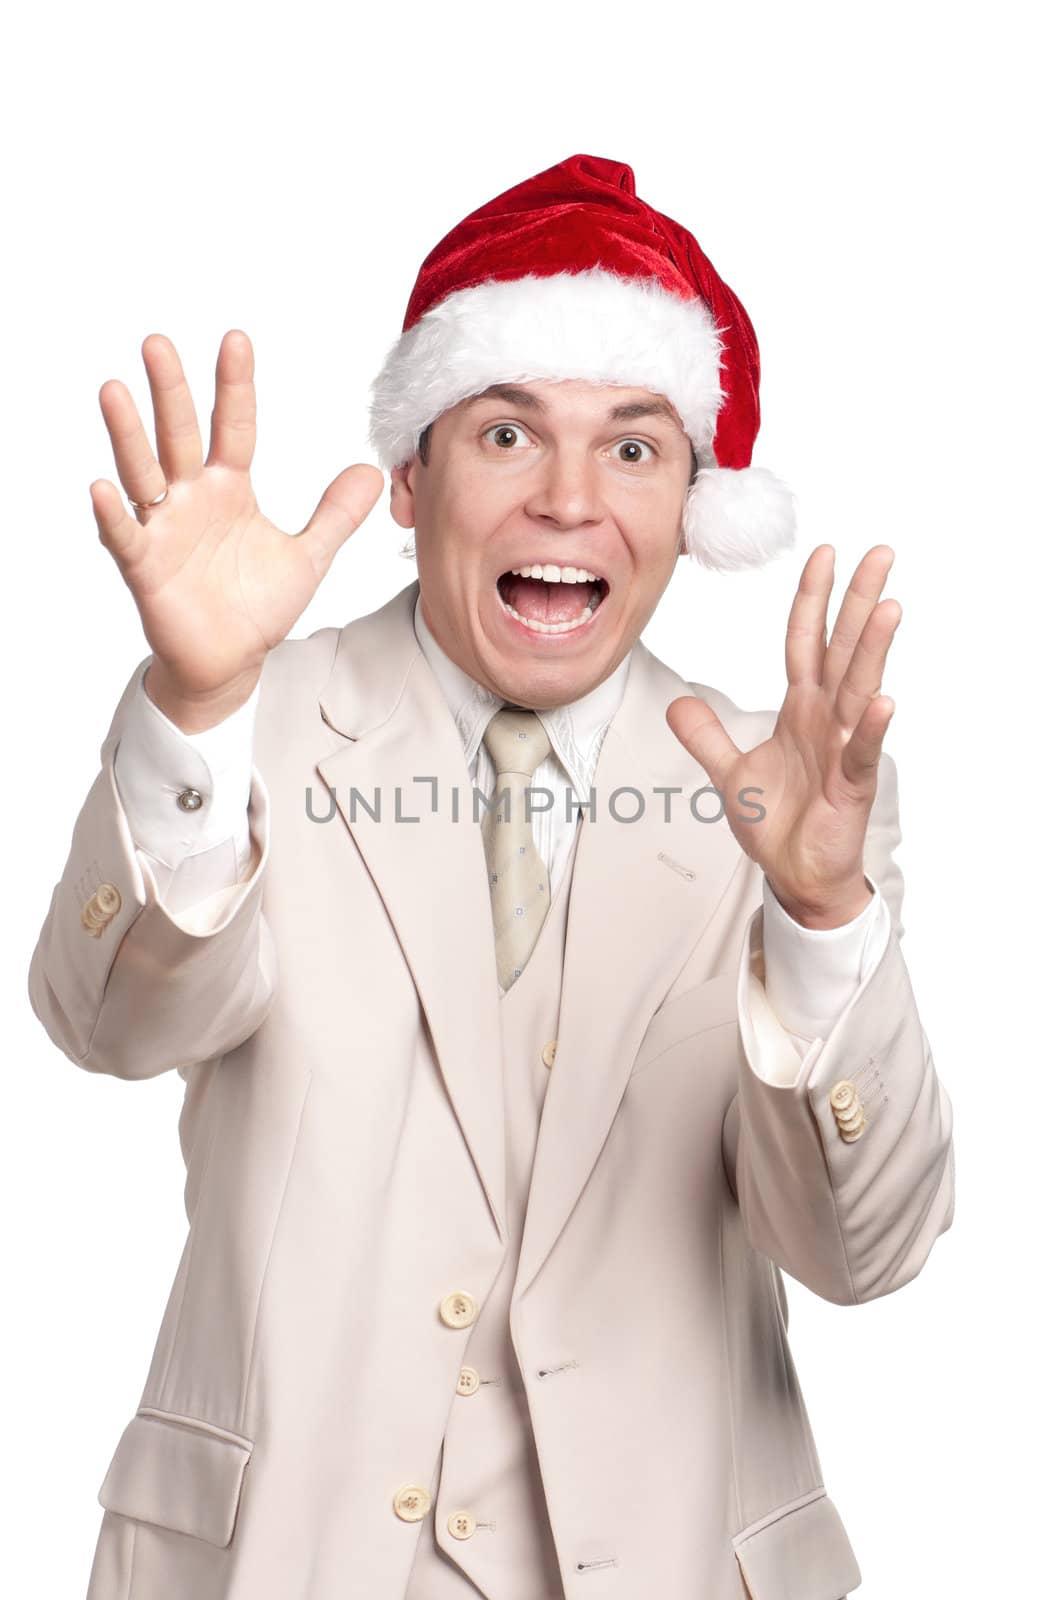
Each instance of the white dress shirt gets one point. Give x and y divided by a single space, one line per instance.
194 857
576 734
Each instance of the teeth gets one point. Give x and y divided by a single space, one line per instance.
555 574
551 627
552 574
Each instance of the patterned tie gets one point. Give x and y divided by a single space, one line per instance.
519 881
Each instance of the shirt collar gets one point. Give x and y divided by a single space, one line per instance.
576 730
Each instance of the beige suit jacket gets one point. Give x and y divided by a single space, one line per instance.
338 1034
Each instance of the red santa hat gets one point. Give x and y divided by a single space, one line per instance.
570 275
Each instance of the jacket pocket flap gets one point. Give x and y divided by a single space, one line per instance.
799 1553
179 1474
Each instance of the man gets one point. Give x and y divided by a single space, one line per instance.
500 1121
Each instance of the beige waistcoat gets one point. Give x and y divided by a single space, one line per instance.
487 1472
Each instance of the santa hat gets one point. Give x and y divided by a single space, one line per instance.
570 275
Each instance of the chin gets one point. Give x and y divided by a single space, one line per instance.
536 676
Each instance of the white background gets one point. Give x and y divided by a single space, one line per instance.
875 183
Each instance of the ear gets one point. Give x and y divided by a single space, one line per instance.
402 497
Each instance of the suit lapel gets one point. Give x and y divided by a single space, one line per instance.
431 873
632 920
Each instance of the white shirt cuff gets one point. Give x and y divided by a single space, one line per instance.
810 974
155 761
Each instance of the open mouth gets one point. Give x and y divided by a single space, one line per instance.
551 599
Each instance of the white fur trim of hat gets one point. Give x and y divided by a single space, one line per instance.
599 327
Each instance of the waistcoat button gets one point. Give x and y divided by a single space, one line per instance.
549 1052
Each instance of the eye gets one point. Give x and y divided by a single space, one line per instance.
503 428
638 444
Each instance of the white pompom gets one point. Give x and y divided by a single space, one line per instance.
738 517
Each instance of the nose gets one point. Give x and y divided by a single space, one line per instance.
566 492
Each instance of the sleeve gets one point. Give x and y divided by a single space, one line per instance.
123 983
194 852
809 975
844 1175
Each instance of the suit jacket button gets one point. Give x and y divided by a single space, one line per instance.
468 1380
842 1095
462 1524
190 799
108 899
549 1052
411 1503
458 1310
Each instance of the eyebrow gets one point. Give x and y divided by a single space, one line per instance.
515 396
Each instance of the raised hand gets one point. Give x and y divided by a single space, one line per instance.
216 583
818 772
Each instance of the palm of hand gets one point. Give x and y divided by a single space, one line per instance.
794 819
799 802
222 582
216 582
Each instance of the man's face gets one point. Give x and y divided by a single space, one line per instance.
567 475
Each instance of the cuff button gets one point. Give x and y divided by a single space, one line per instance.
99 909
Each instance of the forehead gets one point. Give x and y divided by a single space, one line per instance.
607 402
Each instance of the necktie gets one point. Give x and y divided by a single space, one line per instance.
516 873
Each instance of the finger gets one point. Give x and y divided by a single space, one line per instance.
119 533
806 628
863 675
232 422
176 428
860 600
860 757
139 473
343 507
699 729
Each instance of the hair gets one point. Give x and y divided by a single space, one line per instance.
424 445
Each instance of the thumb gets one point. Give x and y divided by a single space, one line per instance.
343 507
700 730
